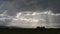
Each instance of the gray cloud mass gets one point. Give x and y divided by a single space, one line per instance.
12 7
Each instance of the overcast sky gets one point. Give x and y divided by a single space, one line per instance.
12 7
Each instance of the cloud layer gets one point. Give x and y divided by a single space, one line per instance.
10 8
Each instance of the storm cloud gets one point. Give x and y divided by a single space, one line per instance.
39 5
12 7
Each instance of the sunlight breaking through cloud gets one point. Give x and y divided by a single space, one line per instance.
33 19
30 19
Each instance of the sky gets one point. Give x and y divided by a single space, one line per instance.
10 9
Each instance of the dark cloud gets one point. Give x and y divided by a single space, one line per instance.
53 5
32 5
14 6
